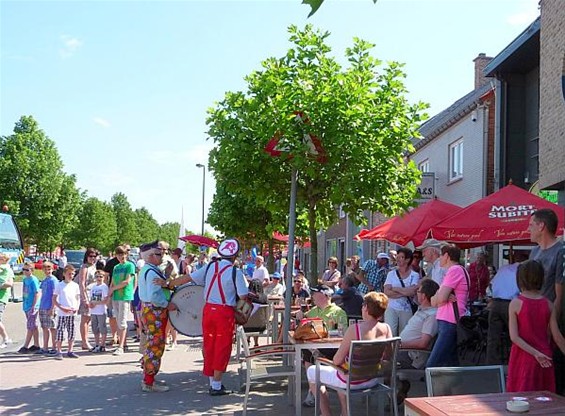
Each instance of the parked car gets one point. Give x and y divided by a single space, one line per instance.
75 257
39 263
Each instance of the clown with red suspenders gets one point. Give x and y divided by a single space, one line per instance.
218 319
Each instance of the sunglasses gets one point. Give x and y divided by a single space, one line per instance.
93 256
158 254
26 270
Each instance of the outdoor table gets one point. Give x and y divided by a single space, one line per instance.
299 346
541 403
278 311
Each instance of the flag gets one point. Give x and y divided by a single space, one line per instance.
182 231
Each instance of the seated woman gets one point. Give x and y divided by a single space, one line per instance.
374 306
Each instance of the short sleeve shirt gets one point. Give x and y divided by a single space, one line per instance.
552 261
30 289
120 274
401 304
219 274
454 279
331 313
47 287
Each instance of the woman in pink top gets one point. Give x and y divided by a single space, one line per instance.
454 288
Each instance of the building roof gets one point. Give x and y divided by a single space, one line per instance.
452 114
521 55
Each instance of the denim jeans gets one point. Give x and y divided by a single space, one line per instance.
444 353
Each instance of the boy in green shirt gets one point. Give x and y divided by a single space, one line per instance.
123 279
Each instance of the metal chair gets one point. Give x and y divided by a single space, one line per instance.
450 381
264 362
373 359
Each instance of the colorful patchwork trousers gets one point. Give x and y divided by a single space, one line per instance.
154 320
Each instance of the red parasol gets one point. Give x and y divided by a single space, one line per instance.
280 237
412 226
200 240
499 217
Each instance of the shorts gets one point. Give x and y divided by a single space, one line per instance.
2 309
120 309
68 323
31 319
46 319
98 323
330 377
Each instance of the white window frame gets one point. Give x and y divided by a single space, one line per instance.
424 166
455 157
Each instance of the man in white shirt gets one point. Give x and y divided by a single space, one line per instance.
431 251
275 288
261 273
420 329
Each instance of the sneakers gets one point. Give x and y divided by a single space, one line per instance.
102 348
95 349
118 351
3 345
41 351
172 346
71 354
154 388
23 350
51 351
222 392
309 401
58 356
34 348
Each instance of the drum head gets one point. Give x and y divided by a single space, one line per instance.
187 319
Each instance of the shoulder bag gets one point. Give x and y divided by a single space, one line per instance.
413 305
243 307
311 328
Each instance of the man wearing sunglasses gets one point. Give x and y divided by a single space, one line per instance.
155 307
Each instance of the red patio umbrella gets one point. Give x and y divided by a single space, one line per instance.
411 226
200 240
497 218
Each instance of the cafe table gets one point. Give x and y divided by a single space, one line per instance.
299 346
541 403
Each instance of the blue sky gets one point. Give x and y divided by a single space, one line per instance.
123 87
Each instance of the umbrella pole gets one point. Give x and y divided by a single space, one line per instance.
290 256
510 253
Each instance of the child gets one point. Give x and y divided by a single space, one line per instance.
46 313
98 300
6 283
531 319
30 306
67 300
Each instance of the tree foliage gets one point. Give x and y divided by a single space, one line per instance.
44 197
315 5
97 228
360 114
125 220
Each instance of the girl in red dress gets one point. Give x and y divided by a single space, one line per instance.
531 323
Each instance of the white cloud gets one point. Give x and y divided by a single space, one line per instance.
101 122
70 46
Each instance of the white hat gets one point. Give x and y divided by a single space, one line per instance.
383 256
229 247
430 242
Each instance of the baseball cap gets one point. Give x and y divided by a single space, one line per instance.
430 242
276 275
326 290
383 256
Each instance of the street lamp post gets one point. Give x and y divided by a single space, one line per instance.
200 165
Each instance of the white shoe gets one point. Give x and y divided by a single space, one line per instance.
3 345
155 388
8 341
172 347
118 351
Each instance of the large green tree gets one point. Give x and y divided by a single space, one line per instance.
125 219
169 232
44 197
359 113
147 226
96 227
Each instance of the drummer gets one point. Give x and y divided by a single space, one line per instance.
218 320
155 309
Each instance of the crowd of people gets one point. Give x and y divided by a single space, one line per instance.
385 297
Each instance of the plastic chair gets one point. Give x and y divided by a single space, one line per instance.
451 381
265 362
373 359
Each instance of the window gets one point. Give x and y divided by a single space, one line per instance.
424 166
456 160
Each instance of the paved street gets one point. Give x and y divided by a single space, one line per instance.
103 384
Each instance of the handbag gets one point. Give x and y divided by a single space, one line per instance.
311 328
243 307
413 305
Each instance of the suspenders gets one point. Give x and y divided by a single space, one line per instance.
217 276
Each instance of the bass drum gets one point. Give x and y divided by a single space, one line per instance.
187 319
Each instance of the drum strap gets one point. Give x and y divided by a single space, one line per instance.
218 276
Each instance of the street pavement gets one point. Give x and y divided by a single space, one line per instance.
103 384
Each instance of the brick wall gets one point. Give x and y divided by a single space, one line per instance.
552 102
